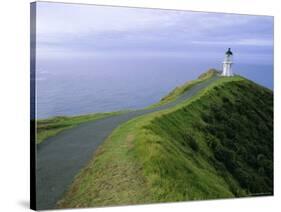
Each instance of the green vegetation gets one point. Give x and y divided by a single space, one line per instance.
218 144
52 126
174 94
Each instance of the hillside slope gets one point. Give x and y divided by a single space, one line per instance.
218 144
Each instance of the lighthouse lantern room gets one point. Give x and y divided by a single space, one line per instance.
227 64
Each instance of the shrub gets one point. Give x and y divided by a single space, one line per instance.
226 156
190 140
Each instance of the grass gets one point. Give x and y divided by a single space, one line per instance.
50 127
101 181
218 144
175 93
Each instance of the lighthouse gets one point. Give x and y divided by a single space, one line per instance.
227 64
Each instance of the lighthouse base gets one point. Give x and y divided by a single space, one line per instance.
227 70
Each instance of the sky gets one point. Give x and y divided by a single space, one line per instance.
73 31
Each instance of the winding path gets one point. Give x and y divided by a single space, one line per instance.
61 157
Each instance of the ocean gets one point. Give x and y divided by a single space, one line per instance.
75 87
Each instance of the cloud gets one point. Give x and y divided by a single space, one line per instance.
74 30
242 42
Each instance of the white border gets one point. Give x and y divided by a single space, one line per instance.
14 89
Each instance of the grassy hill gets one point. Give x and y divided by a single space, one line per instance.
219 144
176 92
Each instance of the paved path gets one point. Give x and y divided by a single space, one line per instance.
61 157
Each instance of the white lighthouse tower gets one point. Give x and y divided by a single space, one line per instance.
227 64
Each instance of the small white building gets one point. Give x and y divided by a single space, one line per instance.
227 64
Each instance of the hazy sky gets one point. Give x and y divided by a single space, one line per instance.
73 31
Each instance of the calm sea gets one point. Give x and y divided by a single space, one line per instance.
86 86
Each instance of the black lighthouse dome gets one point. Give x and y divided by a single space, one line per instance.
229 52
